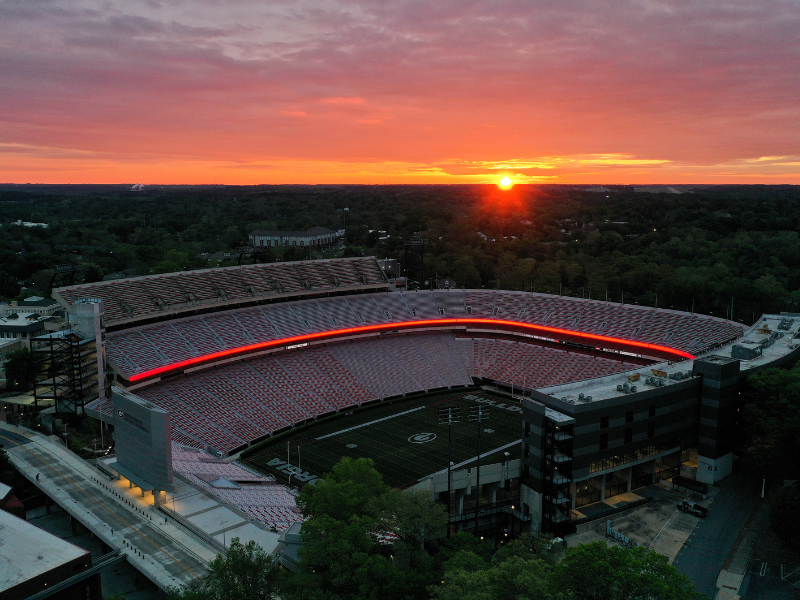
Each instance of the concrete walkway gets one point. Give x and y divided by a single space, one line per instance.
164 552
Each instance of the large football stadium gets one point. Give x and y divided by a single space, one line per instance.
294 365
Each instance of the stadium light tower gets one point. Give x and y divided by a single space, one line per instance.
478 413
449 416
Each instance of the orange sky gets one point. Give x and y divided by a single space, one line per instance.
329 91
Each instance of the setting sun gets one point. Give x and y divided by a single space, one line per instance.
505 182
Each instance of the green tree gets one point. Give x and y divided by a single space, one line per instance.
771 417
244 572
415 518
92 273
600 572
8 285
349 514
352 488
340 560
19 370
512 579
783 515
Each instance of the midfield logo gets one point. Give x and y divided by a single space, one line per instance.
421 438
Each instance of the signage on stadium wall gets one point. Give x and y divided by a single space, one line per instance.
292 347
291 470
494 403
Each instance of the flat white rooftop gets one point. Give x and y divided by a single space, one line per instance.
757 336
27 551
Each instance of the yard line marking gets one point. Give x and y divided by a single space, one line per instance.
469 460
370 423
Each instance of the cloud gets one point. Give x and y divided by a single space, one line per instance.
345 101
692 84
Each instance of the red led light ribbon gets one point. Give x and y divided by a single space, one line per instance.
439 323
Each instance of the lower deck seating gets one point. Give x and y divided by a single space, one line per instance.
229 406
258 496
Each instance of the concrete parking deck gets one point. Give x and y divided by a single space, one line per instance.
164 552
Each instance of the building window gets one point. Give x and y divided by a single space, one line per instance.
628 435
629 416
527 450
652 411
651 430
603 441
527 429
603 422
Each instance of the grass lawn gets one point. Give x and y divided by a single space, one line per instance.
404 438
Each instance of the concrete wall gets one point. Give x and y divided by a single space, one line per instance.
143 436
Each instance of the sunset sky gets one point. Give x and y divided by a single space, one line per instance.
394 91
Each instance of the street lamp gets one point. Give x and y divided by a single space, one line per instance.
224 539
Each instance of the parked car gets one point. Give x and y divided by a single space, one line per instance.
693 508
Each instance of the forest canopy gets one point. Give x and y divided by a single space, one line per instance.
722 250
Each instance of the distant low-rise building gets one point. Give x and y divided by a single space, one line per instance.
34 304
21 326
22 223
314 237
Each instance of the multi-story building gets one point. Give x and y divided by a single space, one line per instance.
313 238
587 441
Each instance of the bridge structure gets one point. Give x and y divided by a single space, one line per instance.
160 548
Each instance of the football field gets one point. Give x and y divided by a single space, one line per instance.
404 438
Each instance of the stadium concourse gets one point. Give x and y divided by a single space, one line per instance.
239 354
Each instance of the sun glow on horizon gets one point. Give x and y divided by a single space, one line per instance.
506 183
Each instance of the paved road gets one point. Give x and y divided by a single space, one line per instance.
165 553
768 586
707 548
10 439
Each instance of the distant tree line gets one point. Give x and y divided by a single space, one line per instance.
724 250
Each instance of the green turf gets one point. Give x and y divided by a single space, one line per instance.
397 458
